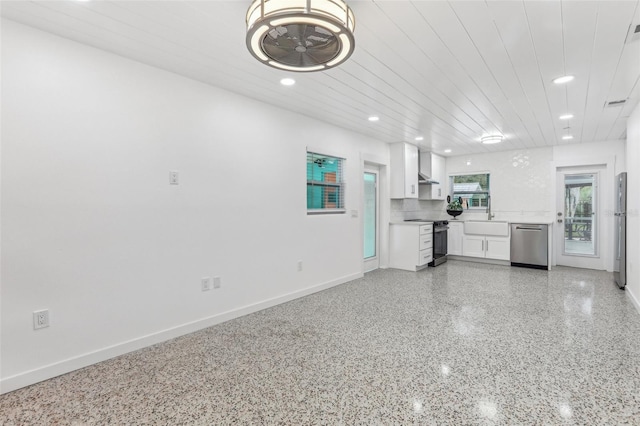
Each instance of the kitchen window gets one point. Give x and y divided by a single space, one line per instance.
473 189
325 184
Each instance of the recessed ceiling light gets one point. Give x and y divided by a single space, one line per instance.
566 116
419 138
563 79
567 137
374 118
491 139
447 151
468 162
287 81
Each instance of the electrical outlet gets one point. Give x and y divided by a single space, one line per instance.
173 177
299 265
206 283
40 319
217 282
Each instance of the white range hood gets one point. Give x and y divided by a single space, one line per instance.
425 168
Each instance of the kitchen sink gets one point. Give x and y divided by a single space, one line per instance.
486 227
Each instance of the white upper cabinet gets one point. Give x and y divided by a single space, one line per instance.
433 165
404 170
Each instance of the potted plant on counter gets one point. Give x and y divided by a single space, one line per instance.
454 208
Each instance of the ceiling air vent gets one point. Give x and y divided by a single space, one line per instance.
619 102
634 33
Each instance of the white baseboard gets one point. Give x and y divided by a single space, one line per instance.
479 260
634 300
27 378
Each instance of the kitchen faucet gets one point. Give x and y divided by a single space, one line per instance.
489 214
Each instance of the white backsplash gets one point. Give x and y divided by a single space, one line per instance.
521 183
417 209
521 188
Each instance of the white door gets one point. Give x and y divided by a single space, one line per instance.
473 246
370 219
497 248
578 210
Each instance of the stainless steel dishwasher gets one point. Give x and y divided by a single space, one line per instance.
529 245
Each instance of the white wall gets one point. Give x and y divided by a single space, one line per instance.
598 152
633 206
612 155
523 182
92 230
521 185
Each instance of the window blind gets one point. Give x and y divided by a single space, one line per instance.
325 183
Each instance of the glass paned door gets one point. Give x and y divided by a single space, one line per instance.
577 234
370 214
580 225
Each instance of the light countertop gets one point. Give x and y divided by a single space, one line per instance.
528 221
413 223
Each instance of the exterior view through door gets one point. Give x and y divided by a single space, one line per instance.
370 220
577 236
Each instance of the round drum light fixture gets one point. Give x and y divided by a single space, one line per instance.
300 35
491 139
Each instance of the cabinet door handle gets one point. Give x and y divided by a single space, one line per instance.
413 189
482 245
487 245
439 192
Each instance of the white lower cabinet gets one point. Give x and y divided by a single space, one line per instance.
473 245
487 247
454 238
411 246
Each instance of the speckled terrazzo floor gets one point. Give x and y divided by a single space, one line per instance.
463 343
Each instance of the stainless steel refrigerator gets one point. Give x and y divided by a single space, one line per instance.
620 213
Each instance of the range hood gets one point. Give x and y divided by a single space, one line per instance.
424 170
422 178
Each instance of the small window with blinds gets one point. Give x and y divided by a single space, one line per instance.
325 184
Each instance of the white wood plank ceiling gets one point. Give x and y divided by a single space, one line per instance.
450 71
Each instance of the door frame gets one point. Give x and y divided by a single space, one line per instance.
588 261
372 263
607 176
384 207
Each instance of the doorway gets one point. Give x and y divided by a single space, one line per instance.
370 219
578 224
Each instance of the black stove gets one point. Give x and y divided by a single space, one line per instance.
439 239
